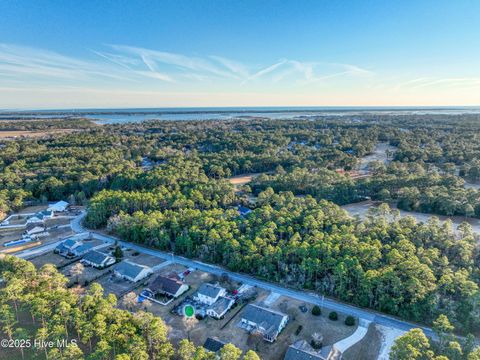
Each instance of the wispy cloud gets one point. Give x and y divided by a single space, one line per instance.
120 65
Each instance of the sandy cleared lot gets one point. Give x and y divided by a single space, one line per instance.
7 134
240 180
361 209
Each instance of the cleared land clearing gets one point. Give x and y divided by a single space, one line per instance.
7 134
243 179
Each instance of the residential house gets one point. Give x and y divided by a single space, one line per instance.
220 307
40 217
34 229
98 259
301 350
243 211
265 321
81 250
67 246
213 344
60 206
131 271
169 286
209 293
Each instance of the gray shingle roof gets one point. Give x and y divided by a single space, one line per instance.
297 354
267 319
96 257
67 245
213 345
166 285
82 249
221 305
209 290
129 269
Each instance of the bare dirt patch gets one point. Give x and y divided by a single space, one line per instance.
12 134
240 180
49 258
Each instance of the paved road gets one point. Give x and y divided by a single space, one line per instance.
303 296
327 303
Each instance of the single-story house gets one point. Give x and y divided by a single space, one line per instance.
98 259
169 286
265 321
209 293
40 217
60 206
131 271
220 307
81 250
214 345
67 246
302 350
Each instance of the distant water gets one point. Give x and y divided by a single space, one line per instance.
118 116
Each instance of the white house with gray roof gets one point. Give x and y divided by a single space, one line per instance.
60 206
131 271
209 293
98 259
262 320
220 307
67 246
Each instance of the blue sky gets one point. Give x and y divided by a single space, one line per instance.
62 54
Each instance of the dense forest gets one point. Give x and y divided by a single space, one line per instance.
164 184
36 304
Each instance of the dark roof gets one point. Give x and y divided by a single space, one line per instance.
213 345
166 285
297 354
302 350
221 304
209 290
244 210
129 269
269 320
67 245
96 257
82 248
43 214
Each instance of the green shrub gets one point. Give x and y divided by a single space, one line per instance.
333 316
349 321
316 311
299 329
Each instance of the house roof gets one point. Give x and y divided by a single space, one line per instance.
221 305
210 290
59 206
96 257
42 214
35 229
68 245
129 269
244 210
301 350
213 345
83 248
269 320
165 284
